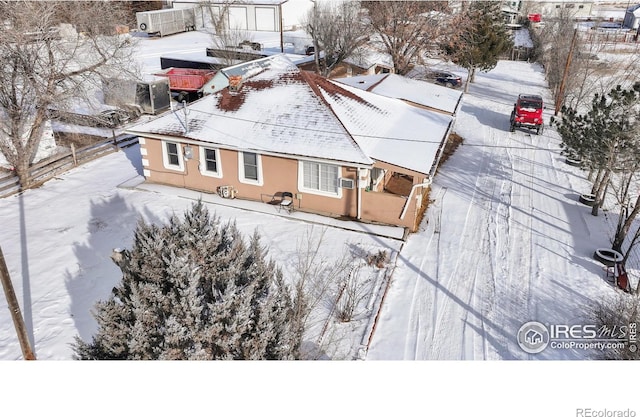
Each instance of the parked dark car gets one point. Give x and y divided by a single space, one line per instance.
446 78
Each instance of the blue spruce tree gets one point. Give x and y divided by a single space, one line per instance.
193 289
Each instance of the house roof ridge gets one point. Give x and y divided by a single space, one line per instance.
310 79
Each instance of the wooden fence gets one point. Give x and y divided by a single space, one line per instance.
46 169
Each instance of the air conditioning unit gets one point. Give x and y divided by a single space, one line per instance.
346 183
227 191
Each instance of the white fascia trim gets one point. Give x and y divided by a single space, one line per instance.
215 145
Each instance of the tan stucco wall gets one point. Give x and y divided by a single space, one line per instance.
386 208
279 174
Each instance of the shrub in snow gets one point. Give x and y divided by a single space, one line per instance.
193 289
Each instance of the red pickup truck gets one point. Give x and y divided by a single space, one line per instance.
527 112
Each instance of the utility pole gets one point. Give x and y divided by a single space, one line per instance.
14 307
560 95
314 35
281 28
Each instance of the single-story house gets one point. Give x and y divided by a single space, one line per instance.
578 9
340 151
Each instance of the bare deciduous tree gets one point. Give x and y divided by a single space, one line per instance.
354 290
337 29
406 29
616 318
316 283
45 65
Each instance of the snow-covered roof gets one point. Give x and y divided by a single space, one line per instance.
275 111
283 110
390 130
522 38
415 91
365 58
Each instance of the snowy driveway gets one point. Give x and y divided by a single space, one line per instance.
506 241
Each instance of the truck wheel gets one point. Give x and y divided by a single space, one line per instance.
540 129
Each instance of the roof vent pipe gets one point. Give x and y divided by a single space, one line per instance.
235 83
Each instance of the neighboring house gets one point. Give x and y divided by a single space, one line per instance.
632 17
522 44
421 94
340 151
511 11
578 9
365 61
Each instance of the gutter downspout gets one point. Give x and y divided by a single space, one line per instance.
359 199
429 180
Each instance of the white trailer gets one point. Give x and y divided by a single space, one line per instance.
166 21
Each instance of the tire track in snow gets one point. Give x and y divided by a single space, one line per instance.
417 308
513 292
462 292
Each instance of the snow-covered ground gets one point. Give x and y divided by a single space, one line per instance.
504 242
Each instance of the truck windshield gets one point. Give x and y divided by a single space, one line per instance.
526 104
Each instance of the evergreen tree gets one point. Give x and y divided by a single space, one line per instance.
479 37
605 138
193 289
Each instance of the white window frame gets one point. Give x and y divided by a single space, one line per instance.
203 162
241 176
165 156
377 180
302 188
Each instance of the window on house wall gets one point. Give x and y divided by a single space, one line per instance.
322 178
569 5
171 156
377 174
250 168
210 162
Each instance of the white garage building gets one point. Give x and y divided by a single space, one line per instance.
251 15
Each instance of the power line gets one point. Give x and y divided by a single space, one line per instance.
398 139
